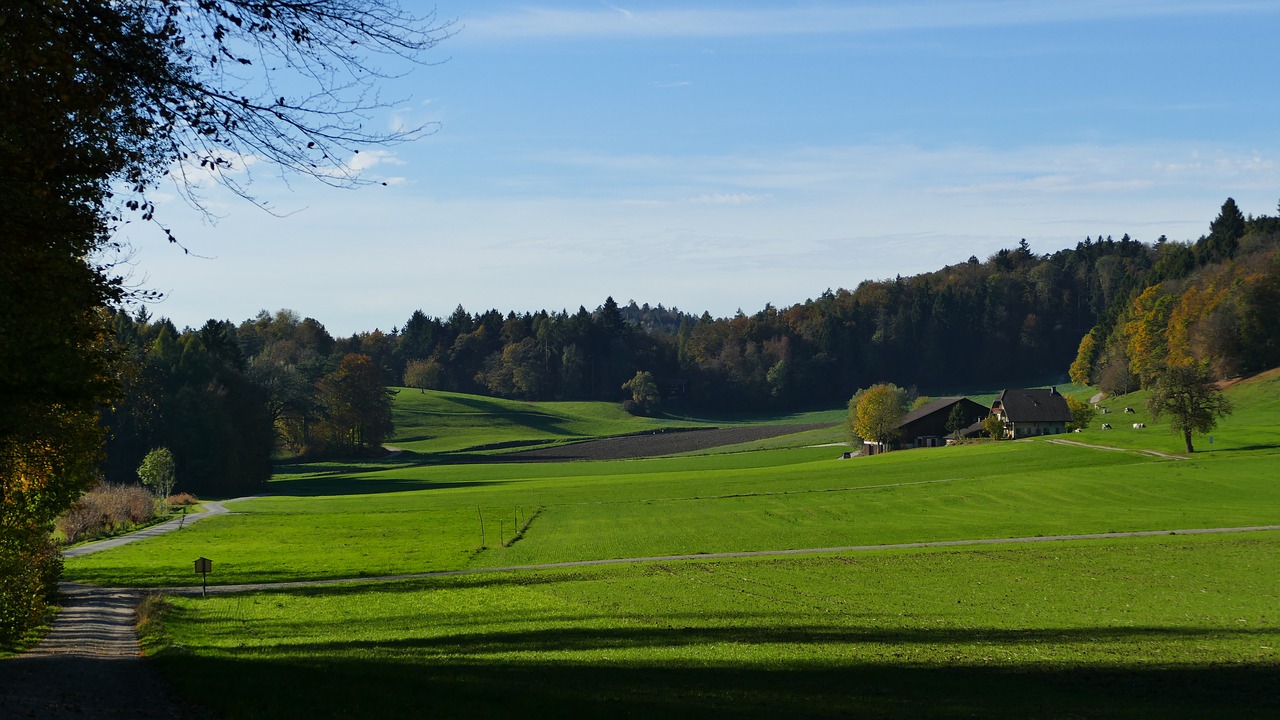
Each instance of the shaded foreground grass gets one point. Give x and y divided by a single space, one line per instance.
1154 627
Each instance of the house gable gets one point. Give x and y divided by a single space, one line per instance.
1035 411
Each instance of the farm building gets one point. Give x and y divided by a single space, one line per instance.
1032 412
926 426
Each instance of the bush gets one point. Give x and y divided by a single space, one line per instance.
30 564
106 509
184 498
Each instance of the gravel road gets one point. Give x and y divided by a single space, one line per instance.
88 667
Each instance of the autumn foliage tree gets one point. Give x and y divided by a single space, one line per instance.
358 404
876 412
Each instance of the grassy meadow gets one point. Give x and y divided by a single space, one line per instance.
444 422
1168 626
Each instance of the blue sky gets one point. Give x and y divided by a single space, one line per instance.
723 155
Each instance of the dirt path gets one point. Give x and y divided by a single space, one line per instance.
1156 453
88 667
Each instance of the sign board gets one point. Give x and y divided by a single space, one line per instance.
204 565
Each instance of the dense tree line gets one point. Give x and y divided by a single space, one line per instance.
1213 303
1014 316
224 397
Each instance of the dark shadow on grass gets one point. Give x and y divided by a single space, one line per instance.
397 686
569 635
533 420
1209 448
334 485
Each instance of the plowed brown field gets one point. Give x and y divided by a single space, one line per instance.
658 443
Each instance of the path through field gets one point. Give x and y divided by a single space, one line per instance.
88 667
211 508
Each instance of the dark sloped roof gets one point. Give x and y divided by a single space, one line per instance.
929 409
1034 405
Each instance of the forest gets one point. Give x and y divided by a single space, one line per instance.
1107 311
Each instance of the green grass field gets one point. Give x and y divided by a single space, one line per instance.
1139 627
444 422
1158 627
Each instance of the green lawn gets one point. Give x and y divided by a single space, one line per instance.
419 519
1169 627
444 422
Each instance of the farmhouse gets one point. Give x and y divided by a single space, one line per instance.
926 426
1032 412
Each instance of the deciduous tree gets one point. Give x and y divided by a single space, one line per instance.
645 396
157 472
1082 413
358 404
876 412
1189 397
993 427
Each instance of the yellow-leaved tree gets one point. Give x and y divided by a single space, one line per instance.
876 412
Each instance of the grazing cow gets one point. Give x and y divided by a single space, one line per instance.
1103 410
1077 430
1129 410
1106 426
1139 426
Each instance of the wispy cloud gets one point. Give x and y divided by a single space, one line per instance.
727 199
612 21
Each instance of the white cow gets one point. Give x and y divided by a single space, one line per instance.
1139 426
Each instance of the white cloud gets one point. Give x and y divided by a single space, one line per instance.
368 159
727 199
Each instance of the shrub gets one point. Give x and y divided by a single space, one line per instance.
106 509
184 498
30 564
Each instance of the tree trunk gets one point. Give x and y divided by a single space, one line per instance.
1186 435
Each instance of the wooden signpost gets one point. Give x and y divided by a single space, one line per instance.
204 566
